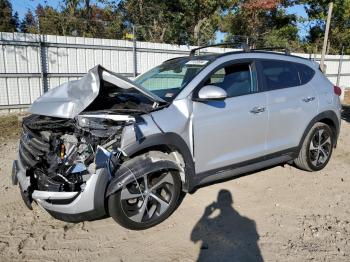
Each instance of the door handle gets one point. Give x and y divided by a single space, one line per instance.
308 99
257 109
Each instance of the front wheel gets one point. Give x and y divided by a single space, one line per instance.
316 149
147 201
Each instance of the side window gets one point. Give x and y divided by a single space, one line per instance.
237 79
279 74
218 76
306 73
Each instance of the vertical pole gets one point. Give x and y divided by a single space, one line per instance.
134 51
325 40
43 59
340 65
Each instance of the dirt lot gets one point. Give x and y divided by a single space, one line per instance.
281 214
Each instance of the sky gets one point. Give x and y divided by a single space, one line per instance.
21 6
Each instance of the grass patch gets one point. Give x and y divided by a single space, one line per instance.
10 127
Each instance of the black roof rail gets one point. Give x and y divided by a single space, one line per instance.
245 47
283 49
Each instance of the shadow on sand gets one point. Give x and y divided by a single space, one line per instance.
225 235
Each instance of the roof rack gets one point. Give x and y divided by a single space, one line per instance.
283 49
245 48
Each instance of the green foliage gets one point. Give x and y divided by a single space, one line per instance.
340 24
76 18
29 23
263 23
194 22
8 21
178 21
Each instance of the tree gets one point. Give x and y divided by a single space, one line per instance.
76 18
29 23
339 34
177 22
152 18
8 21
264 23
202 18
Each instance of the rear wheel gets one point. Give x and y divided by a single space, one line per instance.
147 201
316 149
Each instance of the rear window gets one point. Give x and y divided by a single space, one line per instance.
279 74
306 73
282 74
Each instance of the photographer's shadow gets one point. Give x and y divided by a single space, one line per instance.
225 234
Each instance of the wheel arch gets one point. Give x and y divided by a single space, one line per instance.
327 117
166 142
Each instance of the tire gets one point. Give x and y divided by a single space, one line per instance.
316 149
127 206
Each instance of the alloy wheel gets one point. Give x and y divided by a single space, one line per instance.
320 147
148 197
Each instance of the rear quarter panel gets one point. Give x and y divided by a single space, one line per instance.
327 99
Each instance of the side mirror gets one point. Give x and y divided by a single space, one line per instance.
211 92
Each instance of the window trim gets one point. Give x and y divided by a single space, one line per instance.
295 65
252 67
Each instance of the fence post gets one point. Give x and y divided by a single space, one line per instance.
43 59
340 65
134 51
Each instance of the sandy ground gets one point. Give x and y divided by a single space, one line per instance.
281 214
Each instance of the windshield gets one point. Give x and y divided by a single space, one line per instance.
169 78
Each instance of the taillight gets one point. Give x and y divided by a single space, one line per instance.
337 90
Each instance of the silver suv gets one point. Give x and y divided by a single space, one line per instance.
107 146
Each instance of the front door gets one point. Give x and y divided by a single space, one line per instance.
233 130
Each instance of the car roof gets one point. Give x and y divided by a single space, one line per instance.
213 56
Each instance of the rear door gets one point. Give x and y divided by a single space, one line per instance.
234 130
292 102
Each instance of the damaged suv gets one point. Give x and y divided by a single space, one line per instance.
108 146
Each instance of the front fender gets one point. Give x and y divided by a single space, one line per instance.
136 168
169 139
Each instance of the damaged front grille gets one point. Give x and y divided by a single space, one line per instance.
31 148
58 154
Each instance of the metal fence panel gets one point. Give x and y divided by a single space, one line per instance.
67 58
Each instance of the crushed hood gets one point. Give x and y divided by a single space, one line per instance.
71 98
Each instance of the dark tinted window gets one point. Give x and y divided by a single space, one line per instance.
279 74
236 79
306 73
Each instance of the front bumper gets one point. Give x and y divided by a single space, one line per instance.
87 203
14 173
19 177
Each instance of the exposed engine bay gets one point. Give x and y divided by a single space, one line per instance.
76 149
70 122
59 154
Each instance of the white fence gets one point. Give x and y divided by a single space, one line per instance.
30 64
